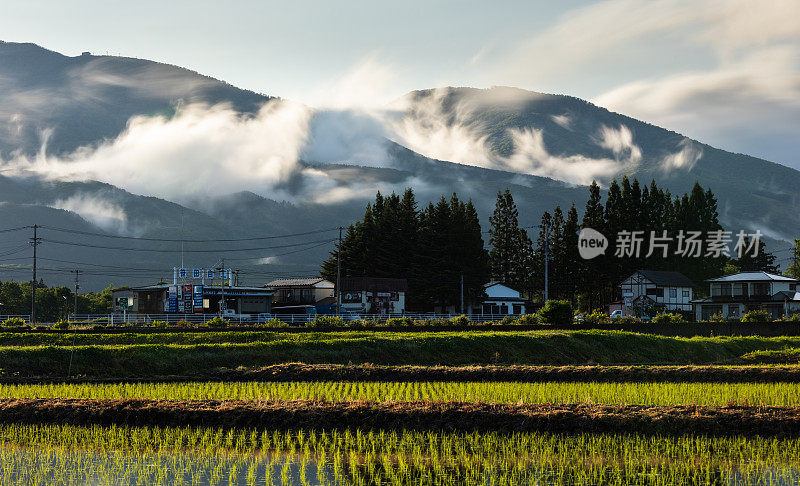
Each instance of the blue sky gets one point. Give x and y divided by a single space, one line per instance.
726 72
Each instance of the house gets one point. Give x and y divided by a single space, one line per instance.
302 296
647 292
501 299
734 295
370 295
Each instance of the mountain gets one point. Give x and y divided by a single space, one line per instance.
752 192
543 147
82 100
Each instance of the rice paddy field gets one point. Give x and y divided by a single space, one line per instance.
665 394
63 454
229 408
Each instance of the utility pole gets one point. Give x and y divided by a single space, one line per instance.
75 307
222 305
35 241
462 292
339 274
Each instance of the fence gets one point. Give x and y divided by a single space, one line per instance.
244 319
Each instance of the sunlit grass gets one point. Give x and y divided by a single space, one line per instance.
718 394
63 454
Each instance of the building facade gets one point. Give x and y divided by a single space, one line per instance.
302 296
647 292
503 300
192 299
734 295
370 295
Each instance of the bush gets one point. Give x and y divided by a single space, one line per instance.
327 321
58 325
161 324
14 322
757 316
404 321
792 317
217 322
507 321
595 318
667 318
527 320
274 322
556 312
463 320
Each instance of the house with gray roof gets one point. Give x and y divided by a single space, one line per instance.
732 296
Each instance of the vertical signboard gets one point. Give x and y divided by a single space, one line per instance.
186 304
198 298
173 299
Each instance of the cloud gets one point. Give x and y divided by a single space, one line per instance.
531 157
426 128
733 106
97 211
211 150
684 159
611 32
620 142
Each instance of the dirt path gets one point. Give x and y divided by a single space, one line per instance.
768 421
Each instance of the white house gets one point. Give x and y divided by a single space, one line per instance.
733 295
647 291
501 299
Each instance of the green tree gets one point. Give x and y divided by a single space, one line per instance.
509 254
793 270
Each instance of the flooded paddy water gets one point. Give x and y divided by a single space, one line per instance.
64 454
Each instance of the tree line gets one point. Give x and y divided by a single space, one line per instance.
52 303
432 248
628 207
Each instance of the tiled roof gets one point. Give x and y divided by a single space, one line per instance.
295 282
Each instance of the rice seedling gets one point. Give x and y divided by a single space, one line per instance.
64 454
712 394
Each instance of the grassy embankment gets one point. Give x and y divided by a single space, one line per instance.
131 355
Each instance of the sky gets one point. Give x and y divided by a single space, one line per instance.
725 72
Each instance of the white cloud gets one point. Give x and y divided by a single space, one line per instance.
531 157
732 106
684 159
97 211
620 142
427 129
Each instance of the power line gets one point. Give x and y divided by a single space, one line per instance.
214 250
181 240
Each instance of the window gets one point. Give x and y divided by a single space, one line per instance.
686 294
655 292
761 288
721 290
708 311
793 287
673 293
